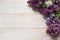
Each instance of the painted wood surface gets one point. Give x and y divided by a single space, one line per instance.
19 22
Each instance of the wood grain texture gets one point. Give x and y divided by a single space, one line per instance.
15 7
22 21
23 34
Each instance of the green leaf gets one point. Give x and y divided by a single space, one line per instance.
43 5
57 14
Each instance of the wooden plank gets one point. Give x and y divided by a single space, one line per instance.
24 34
22 21
15 7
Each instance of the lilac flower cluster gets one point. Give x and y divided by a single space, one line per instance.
53 26
50 9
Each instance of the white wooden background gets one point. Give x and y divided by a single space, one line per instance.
20 22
